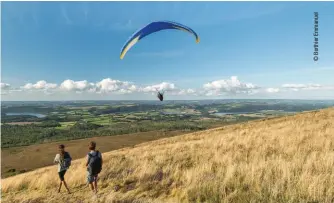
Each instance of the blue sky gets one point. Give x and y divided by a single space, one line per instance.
70 50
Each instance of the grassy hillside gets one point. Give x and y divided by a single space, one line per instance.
16 160
288 159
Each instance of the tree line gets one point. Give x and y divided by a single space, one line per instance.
21 135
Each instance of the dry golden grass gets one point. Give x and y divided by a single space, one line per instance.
288 159
41 155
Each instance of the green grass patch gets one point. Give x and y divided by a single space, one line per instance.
100 120
65 125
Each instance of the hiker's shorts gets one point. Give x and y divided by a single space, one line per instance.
61 175
91 178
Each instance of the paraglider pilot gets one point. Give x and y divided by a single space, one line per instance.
160 95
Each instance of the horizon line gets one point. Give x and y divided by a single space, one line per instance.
157 101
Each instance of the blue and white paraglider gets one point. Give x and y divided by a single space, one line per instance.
152 28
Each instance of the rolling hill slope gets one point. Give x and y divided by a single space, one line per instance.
288 159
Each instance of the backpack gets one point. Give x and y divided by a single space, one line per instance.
94 163
67 160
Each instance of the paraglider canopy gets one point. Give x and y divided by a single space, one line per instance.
152 28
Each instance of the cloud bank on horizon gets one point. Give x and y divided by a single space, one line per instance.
70 50
224 88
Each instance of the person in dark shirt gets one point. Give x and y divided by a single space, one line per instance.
94 166
62 159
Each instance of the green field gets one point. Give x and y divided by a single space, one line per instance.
65 125
75 120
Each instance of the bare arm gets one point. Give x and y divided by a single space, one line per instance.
56 160
87 162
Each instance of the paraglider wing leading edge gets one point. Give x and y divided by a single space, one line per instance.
152 28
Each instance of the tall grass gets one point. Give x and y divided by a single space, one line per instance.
288 159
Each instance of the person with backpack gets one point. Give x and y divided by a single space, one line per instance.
63 159
94 166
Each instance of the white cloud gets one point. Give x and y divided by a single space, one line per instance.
272 90
77 86
109 85
297 87
104 86
229 86
5 86
40 85
158 87
187 92
7 89
64 14
125 25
